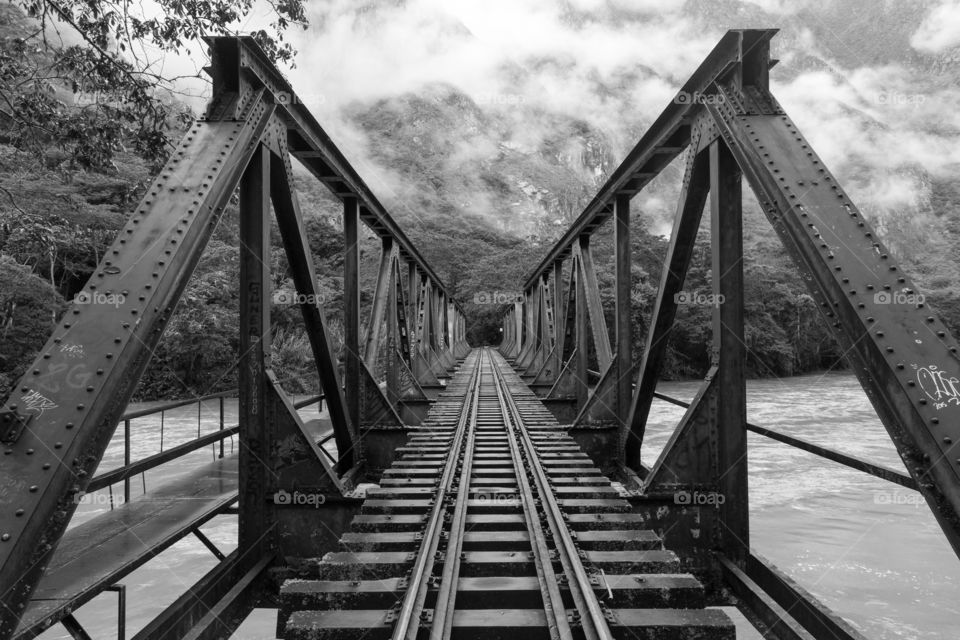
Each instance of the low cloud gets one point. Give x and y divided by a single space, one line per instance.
940 30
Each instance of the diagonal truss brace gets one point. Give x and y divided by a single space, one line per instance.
76 405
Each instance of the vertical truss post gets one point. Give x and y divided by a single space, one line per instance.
531 341
351 307
451 326
526 328
393 338
413 292
591 291
447 353
371 348
559 316
582 339
517 332
729 354
254 351
506 321
426 317
621 233
436 321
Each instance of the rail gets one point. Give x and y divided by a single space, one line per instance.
594 626
408 617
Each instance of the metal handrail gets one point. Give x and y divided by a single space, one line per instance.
175 404
876 470
131 468
150 462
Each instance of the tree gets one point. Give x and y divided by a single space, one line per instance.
122 100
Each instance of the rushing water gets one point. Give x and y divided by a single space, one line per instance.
869 549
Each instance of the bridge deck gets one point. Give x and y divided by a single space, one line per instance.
492 523
101 551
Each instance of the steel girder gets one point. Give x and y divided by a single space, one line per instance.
900 350
62 414
72 409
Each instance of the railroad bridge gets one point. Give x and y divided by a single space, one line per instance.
460 492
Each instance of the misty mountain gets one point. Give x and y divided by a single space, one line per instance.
848 74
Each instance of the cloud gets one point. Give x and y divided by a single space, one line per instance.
782 7
530 50
539 65
882 130
940 30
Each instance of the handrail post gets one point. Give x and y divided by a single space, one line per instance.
221 425
126 460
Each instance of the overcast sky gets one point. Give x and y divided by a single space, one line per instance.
617 63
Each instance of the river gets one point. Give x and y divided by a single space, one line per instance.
869 549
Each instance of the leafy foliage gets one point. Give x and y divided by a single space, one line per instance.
28 306
95 98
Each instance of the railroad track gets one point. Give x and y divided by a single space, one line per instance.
492 523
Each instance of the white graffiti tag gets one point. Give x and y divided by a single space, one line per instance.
939 385
36 402
72 350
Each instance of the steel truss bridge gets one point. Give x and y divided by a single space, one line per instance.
510 496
